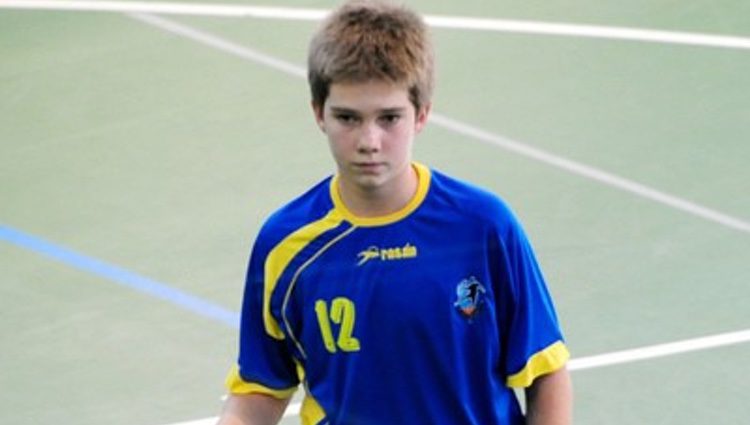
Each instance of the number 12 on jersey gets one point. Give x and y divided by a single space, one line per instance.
342 313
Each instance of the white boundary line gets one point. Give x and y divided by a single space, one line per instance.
660 350
593 173
609 359
196 9
454 22
221 44
205 421
466 130
291 410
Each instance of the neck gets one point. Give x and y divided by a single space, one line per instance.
381 201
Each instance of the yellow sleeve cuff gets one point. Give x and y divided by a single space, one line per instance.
544 362
236 385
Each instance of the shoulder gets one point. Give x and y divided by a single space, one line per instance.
472 202
306 208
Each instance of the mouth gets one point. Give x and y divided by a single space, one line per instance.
368 167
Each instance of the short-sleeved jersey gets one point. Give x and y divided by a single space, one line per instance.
429 315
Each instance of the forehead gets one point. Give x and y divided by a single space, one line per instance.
368 96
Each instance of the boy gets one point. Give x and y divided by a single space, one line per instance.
395 294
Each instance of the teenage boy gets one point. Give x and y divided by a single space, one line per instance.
394 293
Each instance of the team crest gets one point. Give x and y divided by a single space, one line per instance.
470 296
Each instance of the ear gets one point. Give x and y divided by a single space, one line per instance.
423 115
318 113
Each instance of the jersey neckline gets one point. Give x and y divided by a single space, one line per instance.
423 184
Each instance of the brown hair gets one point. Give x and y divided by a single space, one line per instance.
372 40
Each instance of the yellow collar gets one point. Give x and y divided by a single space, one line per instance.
423 184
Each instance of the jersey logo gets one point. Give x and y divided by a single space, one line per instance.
387 254
470 296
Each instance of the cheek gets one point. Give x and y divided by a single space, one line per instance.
338 142
401 138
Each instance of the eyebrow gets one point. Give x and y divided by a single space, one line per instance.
341 109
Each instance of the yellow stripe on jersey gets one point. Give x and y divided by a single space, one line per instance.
423 176
280 256
293 282
237 385
311 412
546 361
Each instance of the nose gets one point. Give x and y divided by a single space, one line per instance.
369 139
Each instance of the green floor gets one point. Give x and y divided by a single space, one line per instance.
162 156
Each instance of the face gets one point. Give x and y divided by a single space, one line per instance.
371 128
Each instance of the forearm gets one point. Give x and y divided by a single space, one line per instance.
549 400
252 409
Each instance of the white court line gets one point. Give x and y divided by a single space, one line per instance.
466 130
602 360
195 9
593 173
291 410
221 44
464 23
205 421
660 350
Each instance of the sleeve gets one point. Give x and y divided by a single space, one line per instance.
264 364
533 341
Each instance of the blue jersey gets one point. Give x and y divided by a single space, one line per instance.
429 315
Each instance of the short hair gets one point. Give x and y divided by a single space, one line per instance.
372 40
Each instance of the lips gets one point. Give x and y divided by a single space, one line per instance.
368 167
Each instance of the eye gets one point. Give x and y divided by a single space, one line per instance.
346 118
390 119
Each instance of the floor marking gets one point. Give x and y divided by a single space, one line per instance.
463 129
195 9
120 276
593 173
660 350
603 360
451 22
203 308
221 44
206 309
291 410
591 31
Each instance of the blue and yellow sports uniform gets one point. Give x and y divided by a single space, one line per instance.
429 315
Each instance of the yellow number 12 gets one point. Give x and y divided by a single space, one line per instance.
342 313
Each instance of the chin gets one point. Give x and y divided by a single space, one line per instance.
370 183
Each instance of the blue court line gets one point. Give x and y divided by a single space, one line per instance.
120 276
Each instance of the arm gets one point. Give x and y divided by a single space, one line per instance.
252 409
549 400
